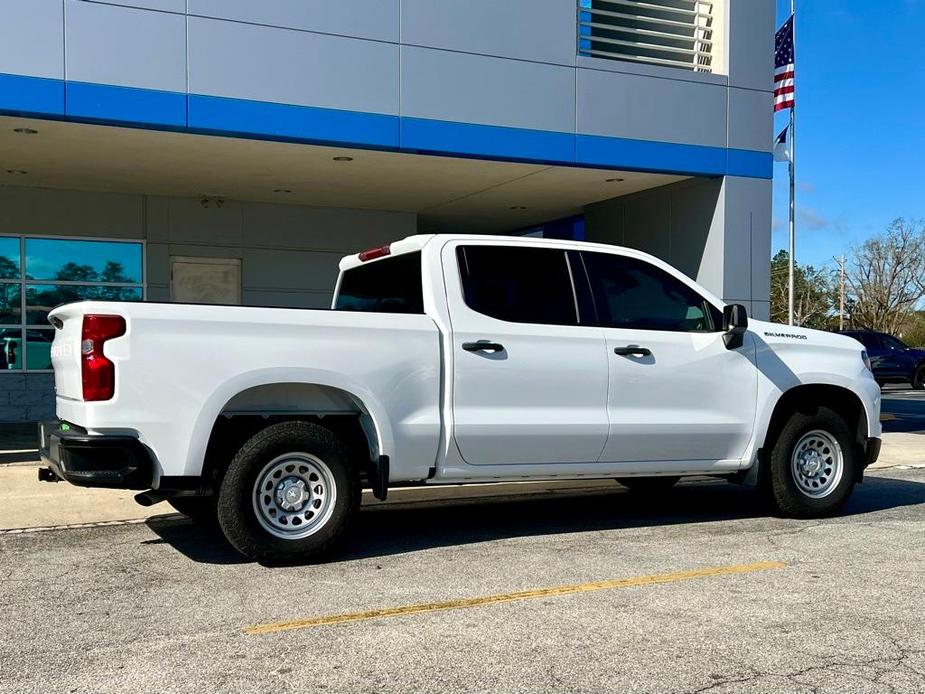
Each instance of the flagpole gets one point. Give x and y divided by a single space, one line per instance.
792 169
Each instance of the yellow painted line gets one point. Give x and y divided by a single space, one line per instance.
887 417
464 603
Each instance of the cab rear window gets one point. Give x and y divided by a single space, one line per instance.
390 285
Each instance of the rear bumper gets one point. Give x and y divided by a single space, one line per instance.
116 462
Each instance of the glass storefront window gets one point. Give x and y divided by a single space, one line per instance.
38 274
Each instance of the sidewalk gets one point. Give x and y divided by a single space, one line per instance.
27 503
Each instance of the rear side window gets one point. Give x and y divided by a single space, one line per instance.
518 284
630 293
391 285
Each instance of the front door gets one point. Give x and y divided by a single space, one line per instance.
529 382
676 392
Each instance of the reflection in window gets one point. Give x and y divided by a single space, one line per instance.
9 258
10 303
38 348
83 261
10 352
55 272
42 298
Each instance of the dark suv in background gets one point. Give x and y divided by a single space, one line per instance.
891 359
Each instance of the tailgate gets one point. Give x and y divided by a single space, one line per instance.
65 350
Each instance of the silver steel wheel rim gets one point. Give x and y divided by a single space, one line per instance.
817 464
294 495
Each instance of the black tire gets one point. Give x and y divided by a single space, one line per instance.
780 485
918 379
238 517
648 485
202 510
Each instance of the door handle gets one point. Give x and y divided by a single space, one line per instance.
632 350
482 346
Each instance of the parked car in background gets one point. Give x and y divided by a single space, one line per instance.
891 359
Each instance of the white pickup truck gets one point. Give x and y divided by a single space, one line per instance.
449 359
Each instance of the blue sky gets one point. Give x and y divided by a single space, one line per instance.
860 70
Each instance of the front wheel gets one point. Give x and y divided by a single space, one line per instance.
289 493
918 380
812 465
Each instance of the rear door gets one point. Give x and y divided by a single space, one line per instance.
529 380
676 393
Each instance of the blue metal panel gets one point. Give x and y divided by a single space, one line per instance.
492 141
240 116
37 95
125 104
743 162
643 155
200 113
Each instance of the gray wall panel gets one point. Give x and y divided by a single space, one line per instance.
645 108
32 38
272 269
493 91
124 46
323 228
714 230
693 210
70 213
246 61
751 28
373 19
178 6
750 119
540 30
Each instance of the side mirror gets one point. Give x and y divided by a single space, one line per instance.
735 322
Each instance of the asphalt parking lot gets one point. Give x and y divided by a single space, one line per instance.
773 605
582 589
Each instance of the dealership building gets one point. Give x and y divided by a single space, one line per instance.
232 150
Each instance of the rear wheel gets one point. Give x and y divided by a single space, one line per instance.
918 380
289 493
648 485
812 465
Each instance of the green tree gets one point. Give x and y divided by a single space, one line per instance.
815 293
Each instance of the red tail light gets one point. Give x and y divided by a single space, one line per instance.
374 253
97 372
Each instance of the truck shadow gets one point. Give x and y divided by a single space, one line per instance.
386 530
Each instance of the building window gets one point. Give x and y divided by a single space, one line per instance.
675 33
37 274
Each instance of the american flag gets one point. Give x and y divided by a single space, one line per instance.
783 67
